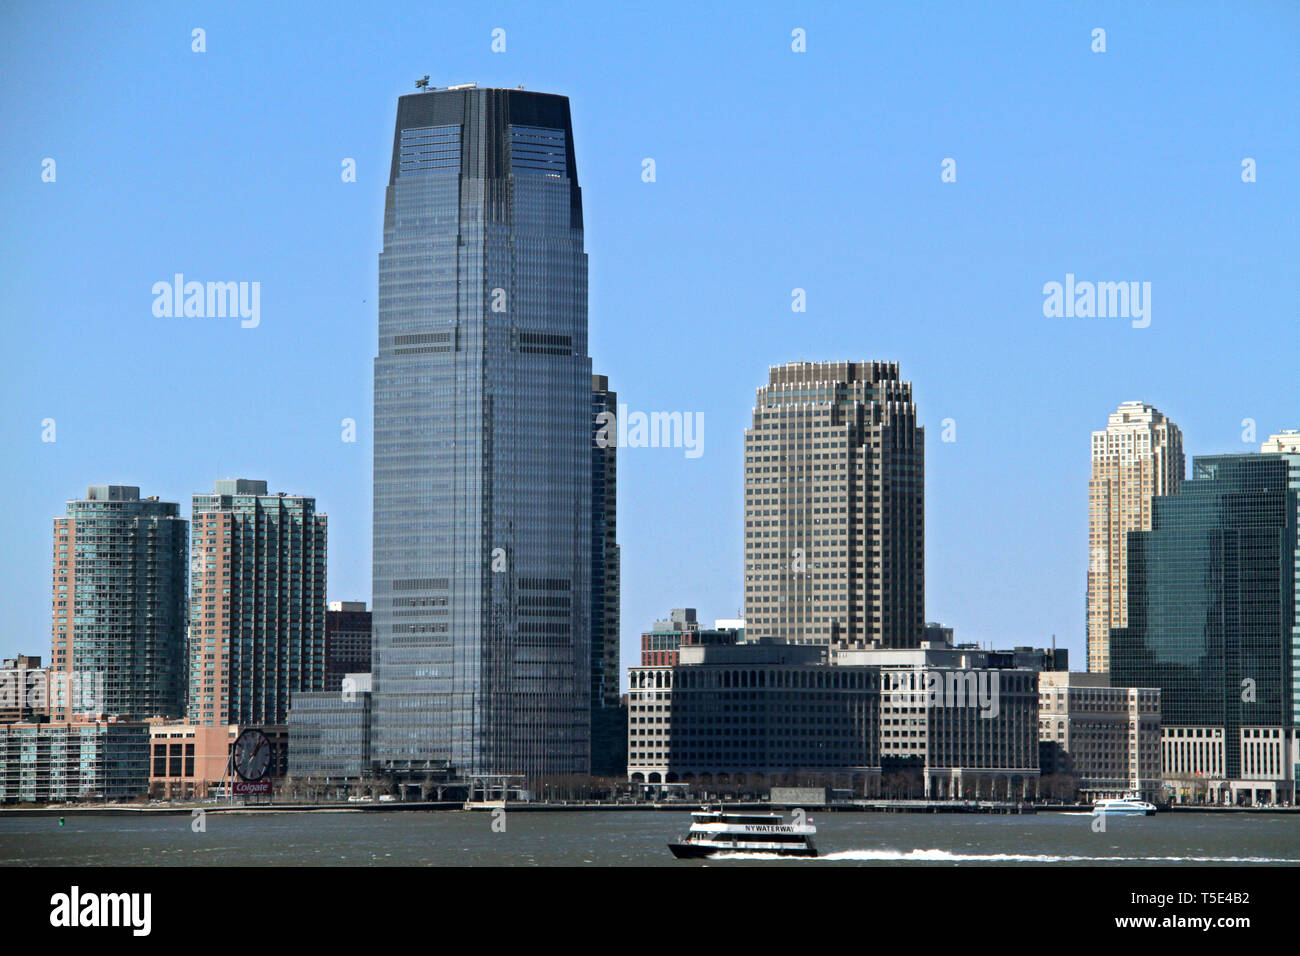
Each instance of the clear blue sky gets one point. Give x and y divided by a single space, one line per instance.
776 170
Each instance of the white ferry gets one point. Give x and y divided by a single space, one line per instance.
1124 807
714 832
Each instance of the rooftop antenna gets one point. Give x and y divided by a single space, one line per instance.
422 84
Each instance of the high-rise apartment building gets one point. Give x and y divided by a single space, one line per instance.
1212 594
257 603
118 607
1138 456
835 507
482 583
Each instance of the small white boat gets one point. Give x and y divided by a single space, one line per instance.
767 834
1124 807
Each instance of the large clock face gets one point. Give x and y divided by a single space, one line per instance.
252 755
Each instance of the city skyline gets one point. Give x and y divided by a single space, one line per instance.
649 295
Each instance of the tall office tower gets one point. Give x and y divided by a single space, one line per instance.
347 641
1138 456
483 457
604 549
118 622
835 507
1212 591
257 603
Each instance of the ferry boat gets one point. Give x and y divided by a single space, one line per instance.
714 832
1125 807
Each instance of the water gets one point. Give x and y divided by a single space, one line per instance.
636 838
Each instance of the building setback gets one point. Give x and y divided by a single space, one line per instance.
118 603
835 507
483 459
1212 617
257 606
1137 457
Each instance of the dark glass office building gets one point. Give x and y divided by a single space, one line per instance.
1212 599
483 457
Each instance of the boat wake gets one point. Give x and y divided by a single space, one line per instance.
948 856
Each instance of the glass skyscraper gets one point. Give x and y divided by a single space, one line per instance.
483 458
1212 599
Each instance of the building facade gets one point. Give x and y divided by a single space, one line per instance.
77 760
1137 457
605 600
753 712
660 645
189 761
952 720
329 733
1106 738
1212 615
482 577
24 690
961 719
347 642
118 607
257 604
835 507
608 715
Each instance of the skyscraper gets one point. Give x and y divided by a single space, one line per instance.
257 603
604 553
1212 591
835 507
483 442
1138 456
118 621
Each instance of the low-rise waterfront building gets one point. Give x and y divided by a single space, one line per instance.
1105 739
937 721
76 760
329 733
189 760
738 713
962 719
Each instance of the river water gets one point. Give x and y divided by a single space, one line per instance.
636 838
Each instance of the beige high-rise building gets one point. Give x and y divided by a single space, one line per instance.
1283 443
1138 456
835 507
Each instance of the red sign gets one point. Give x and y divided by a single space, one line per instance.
253 786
